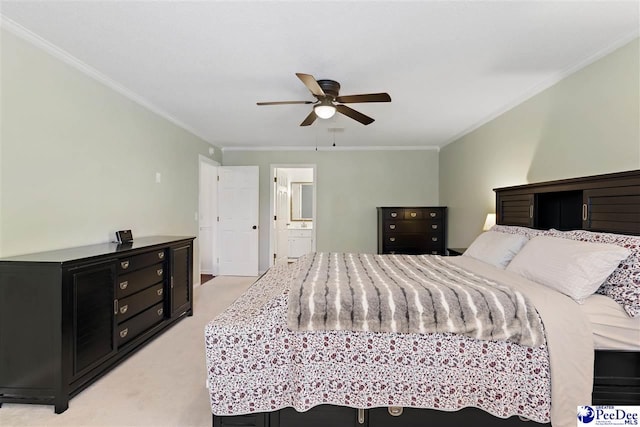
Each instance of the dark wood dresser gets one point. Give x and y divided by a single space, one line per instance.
412 230
69 316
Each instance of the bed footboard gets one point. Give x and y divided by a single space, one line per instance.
339 416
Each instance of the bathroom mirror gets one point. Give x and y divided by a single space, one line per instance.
301 201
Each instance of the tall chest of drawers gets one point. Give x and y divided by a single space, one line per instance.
69 316
412 230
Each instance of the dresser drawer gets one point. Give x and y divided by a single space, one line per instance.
434 249
130 283
393 213
139 261
400 239
413 214
415 226
424 213
134 304
140 323
407 244
417 250
414 250
413 243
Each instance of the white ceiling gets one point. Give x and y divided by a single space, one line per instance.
449 66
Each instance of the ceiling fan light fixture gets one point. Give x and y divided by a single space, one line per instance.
324 111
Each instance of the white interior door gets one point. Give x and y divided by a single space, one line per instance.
281 250
207 218
238 224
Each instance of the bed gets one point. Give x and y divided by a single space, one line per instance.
261 372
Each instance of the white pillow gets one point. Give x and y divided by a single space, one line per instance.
496 248
575 268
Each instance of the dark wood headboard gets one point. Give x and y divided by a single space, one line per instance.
608 203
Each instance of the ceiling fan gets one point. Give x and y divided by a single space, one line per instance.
328 101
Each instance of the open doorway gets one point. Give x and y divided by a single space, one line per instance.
207 218
293 205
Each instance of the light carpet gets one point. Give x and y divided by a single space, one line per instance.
163 384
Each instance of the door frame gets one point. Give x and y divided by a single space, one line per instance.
272 203
204 159
281 236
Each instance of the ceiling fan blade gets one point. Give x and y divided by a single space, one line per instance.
310 119
368 97
311 84
284 102
355 115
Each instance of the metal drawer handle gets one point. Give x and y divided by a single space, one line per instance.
160 311
432 214
159 272
392 239
392 226
413 214
124 309
530 211
124 332
161 255
584 211
395 411
394 214
360 416
434 252
434 239
434 226
123 285
124 264
159 292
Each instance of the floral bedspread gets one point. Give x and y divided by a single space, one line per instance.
256 364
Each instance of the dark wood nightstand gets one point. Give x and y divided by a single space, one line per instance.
455 251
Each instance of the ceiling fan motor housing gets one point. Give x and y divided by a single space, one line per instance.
330 87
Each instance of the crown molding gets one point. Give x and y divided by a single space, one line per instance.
338 148
561 75
64 56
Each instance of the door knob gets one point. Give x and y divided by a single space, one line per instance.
254 227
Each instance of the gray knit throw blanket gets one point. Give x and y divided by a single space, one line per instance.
407 294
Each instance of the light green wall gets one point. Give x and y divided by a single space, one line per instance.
587 124
79 160
350 185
